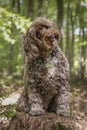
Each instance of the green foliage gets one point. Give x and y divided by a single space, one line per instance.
3 95
12 27
9 112
9 23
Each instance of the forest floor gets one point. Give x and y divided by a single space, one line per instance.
10 94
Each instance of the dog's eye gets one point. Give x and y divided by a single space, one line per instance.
46 27
57 37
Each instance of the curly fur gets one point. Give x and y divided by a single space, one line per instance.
46 71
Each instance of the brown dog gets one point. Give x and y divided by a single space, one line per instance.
46 71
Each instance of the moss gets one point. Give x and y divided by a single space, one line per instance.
3 95
9 113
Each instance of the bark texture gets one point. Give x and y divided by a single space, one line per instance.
50 121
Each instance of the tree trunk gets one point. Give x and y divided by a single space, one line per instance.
46 8
13 4
10 58
30 9
60 12
68 32
40 3
18 6
83 62
23 121
11 55
82 58
72 41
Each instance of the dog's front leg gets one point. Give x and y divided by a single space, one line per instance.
35 102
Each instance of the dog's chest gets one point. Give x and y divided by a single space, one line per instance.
52 67
44 68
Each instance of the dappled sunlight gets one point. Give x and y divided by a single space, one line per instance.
11 99
79 102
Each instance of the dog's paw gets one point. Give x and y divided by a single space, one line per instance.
36 110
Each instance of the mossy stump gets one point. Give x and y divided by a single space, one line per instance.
49 121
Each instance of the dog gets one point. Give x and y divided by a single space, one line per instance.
46 71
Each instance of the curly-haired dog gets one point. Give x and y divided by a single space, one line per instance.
46 71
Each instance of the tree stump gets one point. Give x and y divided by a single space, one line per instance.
49 121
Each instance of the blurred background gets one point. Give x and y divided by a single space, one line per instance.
69 15
17 15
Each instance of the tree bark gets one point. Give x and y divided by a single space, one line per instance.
83 62
67 31
13 3
72 41
23 121
40 3
30 9
60 13
18 6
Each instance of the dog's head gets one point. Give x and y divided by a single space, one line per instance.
41 37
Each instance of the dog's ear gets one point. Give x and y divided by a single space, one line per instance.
30 48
